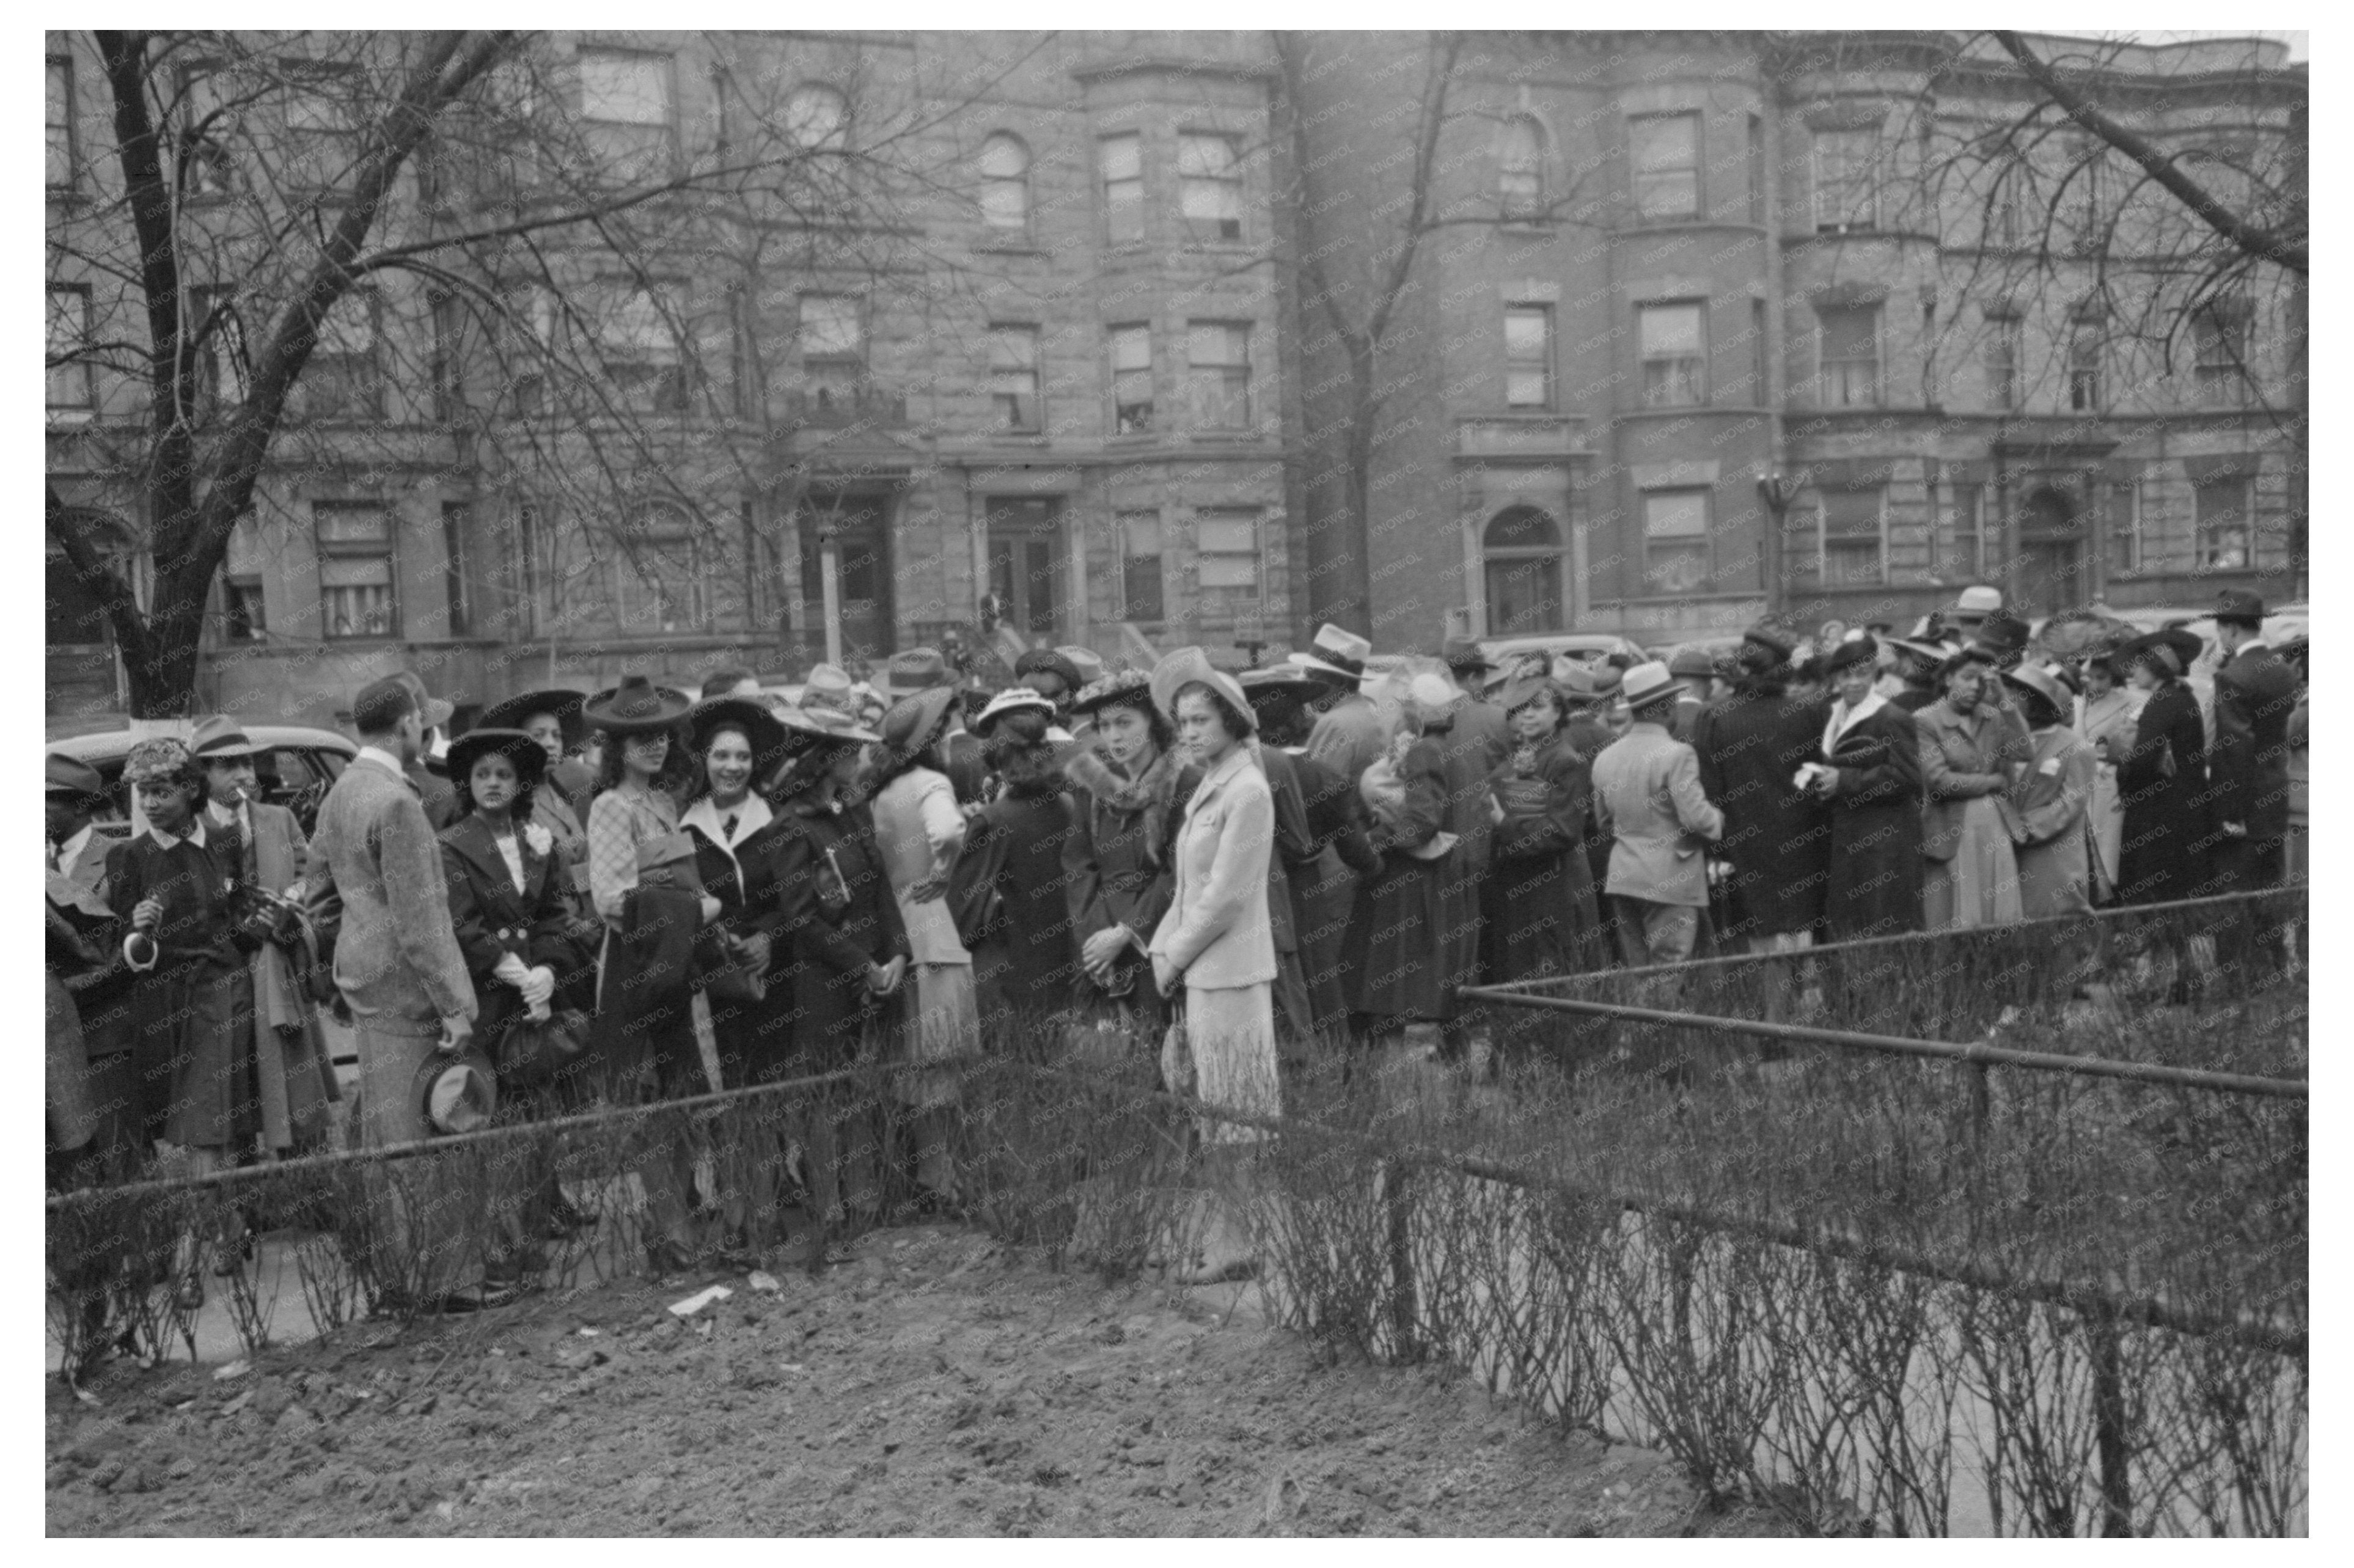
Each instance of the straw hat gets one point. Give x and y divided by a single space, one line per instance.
1182 667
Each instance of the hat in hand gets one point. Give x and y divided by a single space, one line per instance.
457 1094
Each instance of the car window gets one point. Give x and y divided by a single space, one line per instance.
285 770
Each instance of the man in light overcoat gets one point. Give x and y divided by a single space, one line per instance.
1647 792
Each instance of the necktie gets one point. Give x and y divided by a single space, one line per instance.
54 864
728 828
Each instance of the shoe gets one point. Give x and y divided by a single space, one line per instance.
482 1298
233 1258
188 1296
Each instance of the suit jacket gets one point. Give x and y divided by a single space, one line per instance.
1647 791
437 794
396 956
1217 930
2255 694
1484 724
1349 735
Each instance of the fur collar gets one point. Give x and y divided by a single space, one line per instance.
1110 788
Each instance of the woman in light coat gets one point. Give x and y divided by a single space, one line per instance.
2106 713
2049 801
1971 751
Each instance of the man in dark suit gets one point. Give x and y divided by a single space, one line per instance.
434 791
2255 691
1478 722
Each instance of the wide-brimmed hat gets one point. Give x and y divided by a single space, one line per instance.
1934 654
2001 637
914 722
913 670
558 703
459 1093
1649 684
1462 654
751 714
1049 662
1775 638
1180 668
2045 684
1283 679
63 775
824 724
1132 686
636 705
434 711
1337 655
1013 699
1857 651
517 747
2175 649
2239 604
1517 693
221 738
830 686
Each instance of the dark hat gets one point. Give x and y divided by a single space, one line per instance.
1770 635
2239 605
457 1094
560 704
915 670
1049 662
1690 663
750 714
2044 683
1133 687
1284 677
1464 653
436 710
914 722
1854 651
1520 693
1934 654
64 775
528 755
221 738
2001 637
635 707
2173 649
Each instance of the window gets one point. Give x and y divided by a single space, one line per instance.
660 572
1005 184
1519 167
1217 375
1851 358
2014 206
2222 509
1674 347
1850 521
627 115
1845 197
2087 217
356 576
206 118
817 118
1963 559
1528 356
61 136
2085 368
1664 154
2122 525
1210 186
1131 380
244 617
2002 363
340 380
1757 171
322 140
69 383
833 348
1013 378
1675 541
1139 565
1121 161
456 526
1760 368
1522 560
2220 336
1226 546
219 344
640 347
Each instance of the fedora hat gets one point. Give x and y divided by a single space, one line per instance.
1180 667
63 775
1337 654
558 703
457 1094
830 686
1132 686
1692 665
1086 661
915 670
1649 684
751 714
435 711
1284 677
2044 685
636 705
221 738
529 758
913 722
1462 654
1013 699
1931 653
824 724
2001 637
1977 601
2239 605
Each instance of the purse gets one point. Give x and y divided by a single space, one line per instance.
732 975
974 903
532 1050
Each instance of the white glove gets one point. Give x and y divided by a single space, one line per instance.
538 987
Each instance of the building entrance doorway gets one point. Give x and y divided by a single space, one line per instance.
2051 554
1025 563
855 527
1521 551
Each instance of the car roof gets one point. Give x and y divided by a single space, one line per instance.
1560 642
114 745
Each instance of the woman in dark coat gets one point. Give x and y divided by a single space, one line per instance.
1115 875
2162 780
1776 837
1025 969
512 920
735 741
1539 914
843 950
1867 771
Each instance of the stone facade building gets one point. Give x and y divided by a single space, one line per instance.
1068 381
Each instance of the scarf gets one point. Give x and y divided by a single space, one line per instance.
1844 718
1151 792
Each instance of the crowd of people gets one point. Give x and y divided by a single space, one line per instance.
643 894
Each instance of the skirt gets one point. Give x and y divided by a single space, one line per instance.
1226 1044
942 1021
1980 887
195 1054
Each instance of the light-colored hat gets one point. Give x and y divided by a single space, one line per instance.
915 670
457 1094
1978 600
221 738
1649 682
1335 651
830 686
1086 661
1182 667
1013 699
1432 693
825 724
913 722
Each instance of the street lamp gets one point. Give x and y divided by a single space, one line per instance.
1777 492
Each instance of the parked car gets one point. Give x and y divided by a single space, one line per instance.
1711 648
295 772
1594 647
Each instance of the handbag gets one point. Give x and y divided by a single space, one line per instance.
974 902
732 974
532 1050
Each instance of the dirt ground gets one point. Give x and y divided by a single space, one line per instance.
936 1384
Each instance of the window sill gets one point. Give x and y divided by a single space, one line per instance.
1008 248
1225 438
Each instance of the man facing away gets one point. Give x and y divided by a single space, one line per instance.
1646 791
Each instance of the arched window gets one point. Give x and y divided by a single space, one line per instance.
1520 166
817 117
1521 551
1005 183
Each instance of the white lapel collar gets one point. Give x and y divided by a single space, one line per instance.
1844 718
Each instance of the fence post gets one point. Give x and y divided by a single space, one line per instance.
1395 1175
2109 1421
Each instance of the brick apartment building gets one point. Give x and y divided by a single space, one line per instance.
1080 393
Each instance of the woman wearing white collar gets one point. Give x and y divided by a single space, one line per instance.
1869 774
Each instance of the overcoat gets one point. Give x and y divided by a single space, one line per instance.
193 1009
2112 719
1116 866
1413 937
1646 789
1029 965
1776 837
838 918
1217 930
1875 883
295 1077
492 917
2164 852
755 1039
396 955
2050 807
1324 885
1539 916
1349 737
2255 694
